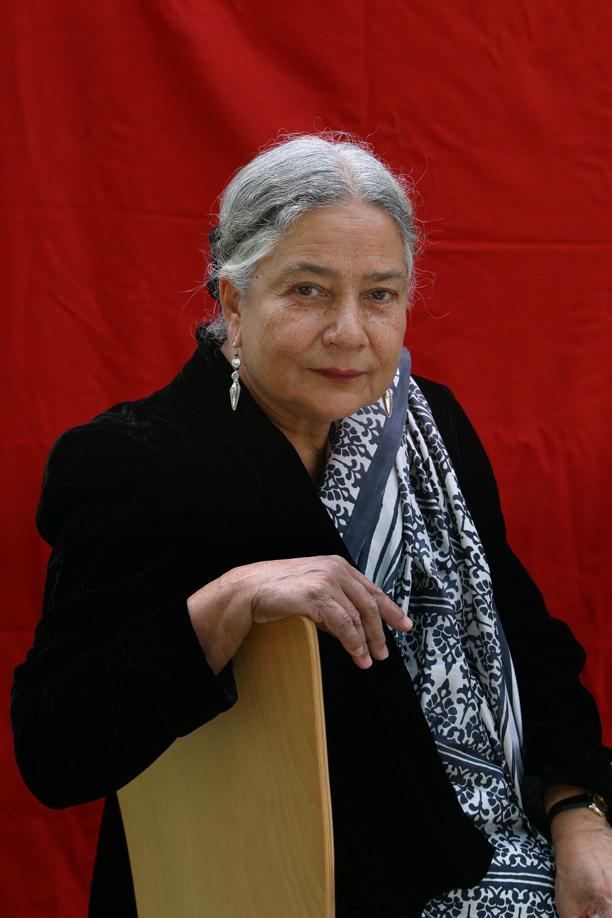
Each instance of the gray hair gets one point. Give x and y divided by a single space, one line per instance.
265 198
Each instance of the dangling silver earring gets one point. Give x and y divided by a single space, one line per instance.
235 386
388 402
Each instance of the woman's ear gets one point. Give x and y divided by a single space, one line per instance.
230 301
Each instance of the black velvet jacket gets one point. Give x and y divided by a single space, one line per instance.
154 498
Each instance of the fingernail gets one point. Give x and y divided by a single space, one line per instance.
384 653
407 622
367 659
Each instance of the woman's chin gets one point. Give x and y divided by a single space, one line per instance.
343 408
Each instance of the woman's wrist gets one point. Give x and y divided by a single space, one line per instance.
573 827
221 618
554 793
569 821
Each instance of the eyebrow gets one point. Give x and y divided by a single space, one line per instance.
322 271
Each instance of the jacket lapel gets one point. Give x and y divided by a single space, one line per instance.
259 452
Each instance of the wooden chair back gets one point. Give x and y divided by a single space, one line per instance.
234 820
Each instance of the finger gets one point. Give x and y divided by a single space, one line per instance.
367 605
388 610
391 613
342 619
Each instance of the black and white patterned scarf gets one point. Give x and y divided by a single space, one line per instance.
391 491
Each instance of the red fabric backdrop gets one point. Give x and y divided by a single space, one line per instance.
122 122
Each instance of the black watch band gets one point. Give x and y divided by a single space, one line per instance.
593 802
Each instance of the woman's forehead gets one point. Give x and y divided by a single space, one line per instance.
324 239
322 270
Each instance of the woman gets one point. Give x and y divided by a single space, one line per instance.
294 467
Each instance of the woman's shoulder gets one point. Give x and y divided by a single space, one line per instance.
437 390
126 436
450 418
463 443
158 441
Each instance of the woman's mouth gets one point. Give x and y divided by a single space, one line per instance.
338 374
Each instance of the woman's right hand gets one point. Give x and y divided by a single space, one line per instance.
326 588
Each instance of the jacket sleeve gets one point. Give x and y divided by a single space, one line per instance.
562 730
115 672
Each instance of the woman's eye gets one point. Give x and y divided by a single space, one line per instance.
307 290
381 295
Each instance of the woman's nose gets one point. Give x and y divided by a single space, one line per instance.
346 325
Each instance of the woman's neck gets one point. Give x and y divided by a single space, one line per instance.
310 440
314 457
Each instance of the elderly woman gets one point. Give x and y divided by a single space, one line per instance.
295 467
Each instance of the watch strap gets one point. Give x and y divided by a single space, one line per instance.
593 802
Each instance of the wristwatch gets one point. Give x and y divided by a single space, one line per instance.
594 802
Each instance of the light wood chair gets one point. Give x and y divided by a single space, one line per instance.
234 820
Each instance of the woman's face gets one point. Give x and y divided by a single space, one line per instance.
321 325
